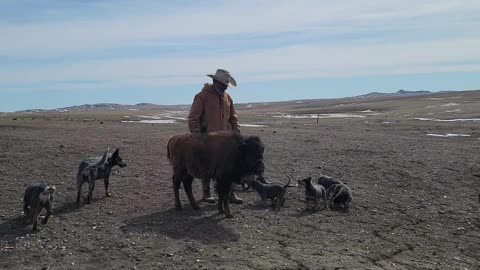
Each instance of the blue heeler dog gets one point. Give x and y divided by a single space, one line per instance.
37 196
93 169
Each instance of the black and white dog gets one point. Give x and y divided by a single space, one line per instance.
327 181
313 194
37 196
93 169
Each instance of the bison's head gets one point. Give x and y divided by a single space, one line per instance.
252 151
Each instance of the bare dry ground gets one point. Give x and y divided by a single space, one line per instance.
415 206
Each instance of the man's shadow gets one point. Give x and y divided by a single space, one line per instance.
185 224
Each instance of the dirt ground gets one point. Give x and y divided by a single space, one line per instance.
415 205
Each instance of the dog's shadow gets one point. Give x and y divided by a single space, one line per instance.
13 228
185 224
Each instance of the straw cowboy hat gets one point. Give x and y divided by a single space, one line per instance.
224 77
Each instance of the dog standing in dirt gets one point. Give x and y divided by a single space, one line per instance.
313 194
94 169
38 196
274 192
341 195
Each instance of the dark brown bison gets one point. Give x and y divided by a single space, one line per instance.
225 157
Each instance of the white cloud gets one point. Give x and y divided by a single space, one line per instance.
193 25
303 61
233 18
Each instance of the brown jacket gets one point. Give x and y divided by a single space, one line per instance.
212 111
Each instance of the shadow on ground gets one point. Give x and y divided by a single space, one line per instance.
185 224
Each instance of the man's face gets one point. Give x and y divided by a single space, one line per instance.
219 87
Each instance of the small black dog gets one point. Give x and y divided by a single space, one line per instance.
313 194
327 181
247 182
339 194
274 192
37 196
93 169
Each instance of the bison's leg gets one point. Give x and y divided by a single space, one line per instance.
176 190
187 184
223 189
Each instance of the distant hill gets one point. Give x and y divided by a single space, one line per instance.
99 107
399 93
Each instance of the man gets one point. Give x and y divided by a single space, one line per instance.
212 110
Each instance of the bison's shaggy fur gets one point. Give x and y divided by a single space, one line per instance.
225 157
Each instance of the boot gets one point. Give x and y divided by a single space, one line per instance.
234 198
207 197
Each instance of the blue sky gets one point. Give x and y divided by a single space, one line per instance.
61 53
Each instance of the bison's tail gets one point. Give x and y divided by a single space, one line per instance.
168 149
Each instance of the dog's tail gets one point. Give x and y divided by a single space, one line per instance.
288 183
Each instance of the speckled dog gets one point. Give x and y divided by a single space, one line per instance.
339 195
94 169
38 196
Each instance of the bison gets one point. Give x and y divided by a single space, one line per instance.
225 157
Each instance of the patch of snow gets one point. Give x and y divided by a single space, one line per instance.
449 104
436 98
299 102
152 121
252 125
448 135
446 120
367 111
133 109
126 116
452 111
457 120
333 115
385 122
424 119
249 106
430 106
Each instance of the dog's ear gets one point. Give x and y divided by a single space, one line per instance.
51 189
116 153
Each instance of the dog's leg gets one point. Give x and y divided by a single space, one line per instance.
36 212
264 200
26 210
91 186
176 180
187 184
223 190
106 181
49 212
325 200
278 201
220 203
79 193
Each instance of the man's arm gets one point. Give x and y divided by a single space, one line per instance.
196 113
233 117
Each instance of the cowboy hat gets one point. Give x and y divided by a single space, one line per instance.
224 77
